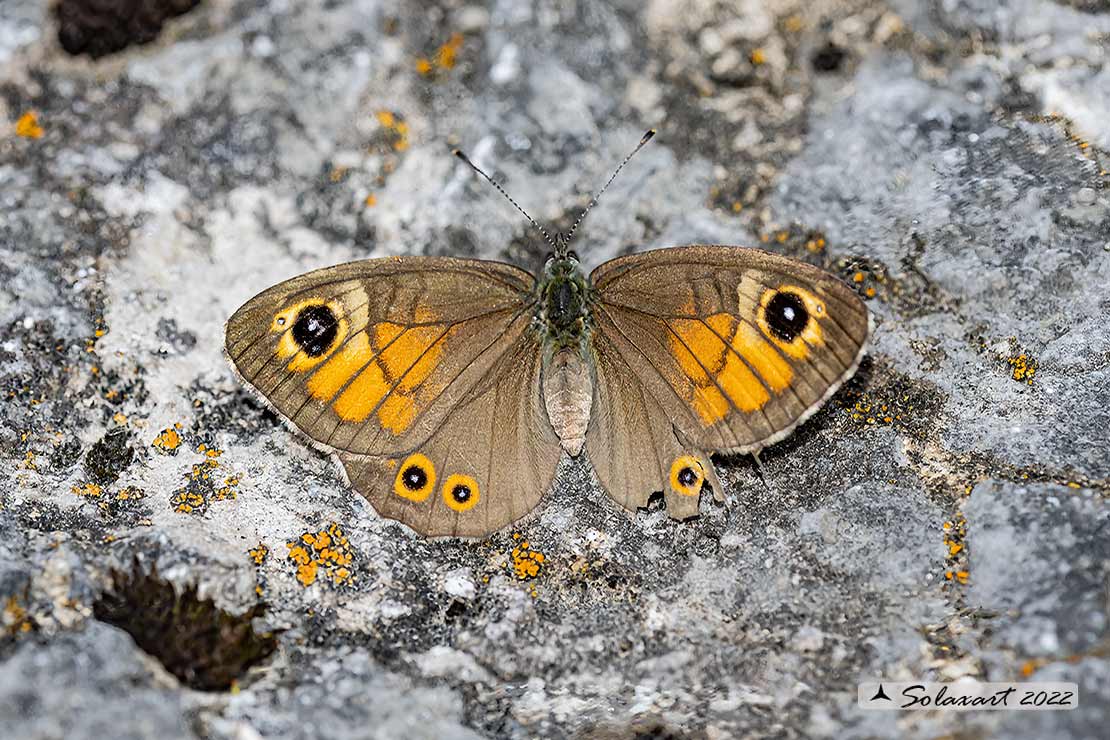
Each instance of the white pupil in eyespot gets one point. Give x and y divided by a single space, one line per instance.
281 321
788 313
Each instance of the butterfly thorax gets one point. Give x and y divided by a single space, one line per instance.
563 316
563 306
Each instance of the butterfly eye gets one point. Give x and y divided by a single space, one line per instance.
416 478
460 492
573 255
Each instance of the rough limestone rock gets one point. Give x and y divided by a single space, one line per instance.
945 515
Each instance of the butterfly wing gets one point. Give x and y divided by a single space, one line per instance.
370 357
420 373
486 466
704 349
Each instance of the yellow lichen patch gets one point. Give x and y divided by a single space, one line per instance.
396 131
200 486
759 56
130 493
88 490
168 440
28 126
371 201
29 461
526 563
258 553
229 489
1022 368
14 618
445 57
188 502
955 532
325 554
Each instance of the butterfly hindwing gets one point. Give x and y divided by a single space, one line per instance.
488 465
371 357
706 349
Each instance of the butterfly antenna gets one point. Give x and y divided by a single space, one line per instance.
476 168
593 201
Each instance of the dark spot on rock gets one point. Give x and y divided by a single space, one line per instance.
66 454
315 330
828 58
109 456
101 27
206 647
414 478
178 340
786 315
455 611
461 493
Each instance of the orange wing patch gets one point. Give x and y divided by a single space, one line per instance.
741 374
380 370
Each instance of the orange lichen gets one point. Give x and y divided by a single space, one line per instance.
258 553
326 551
28 126
14 618
29 461
396 130
87 490
1022 368
527 563
168 440
200 488
759 56
955 532
371 200
445 57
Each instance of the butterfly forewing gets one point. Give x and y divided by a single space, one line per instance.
733 347
371 357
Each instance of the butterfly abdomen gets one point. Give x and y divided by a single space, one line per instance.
567 396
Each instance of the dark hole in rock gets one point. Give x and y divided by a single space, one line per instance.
828 58
204 646
101 27
109 456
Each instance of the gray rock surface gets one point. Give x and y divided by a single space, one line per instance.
945 515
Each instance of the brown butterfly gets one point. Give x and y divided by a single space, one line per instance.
448 388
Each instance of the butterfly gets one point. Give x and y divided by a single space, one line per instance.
450 388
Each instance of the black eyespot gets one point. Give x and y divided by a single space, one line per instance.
315 330
414 478
786 315
687 477
461 493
